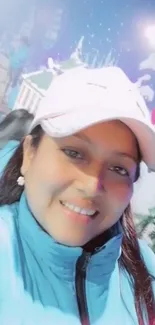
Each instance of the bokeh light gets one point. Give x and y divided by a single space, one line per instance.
150 34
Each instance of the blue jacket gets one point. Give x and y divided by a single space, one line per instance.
38 276
6 153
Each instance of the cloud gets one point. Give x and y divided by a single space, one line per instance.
146 91
149 63
140 80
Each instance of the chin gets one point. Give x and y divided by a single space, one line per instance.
69 241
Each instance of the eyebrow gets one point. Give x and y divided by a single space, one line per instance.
126 155
83 137
117 153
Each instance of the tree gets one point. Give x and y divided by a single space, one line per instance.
145 226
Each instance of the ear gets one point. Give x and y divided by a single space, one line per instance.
28 154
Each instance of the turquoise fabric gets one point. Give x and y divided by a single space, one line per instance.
37 276
6 153
12 96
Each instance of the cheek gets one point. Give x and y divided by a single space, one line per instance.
123 192
46 180
116 199
120 195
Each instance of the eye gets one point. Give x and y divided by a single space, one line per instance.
73 154
120 170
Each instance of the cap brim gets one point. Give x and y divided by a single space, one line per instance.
77 120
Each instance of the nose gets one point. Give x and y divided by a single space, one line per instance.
92 186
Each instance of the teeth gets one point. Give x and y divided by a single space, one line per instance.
72 207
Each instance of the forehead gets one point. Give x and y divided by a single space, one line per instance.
113 135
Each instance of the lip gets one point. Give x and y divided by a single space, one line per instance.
75 216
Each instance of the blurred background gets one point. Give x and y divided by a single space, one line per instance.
107 31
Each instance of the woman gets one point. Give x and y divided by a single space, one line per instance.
13 128
68 248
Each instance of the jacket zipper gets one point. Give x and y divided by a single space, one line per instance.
80 285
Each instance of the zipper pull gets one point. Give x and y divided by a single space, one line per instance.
87 257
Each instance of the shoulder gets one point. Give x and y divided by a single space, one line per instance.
7 237
148 256
7 216
9 147
6 153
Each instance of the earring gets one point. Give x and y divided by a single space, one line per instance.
21 181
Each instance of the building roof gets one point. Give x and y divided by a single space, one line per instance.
40 80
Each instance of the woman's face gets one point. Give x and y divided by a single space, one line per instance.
79 186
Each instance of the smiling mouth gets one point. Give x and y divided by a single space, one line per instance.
91 213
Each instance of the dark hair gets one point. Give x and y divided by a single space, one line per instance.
131 259
15 126
12 192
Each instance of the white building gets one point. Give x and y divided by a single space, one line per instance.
35 84
32 90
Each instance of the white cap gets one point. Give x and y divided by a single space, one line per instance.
82 97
